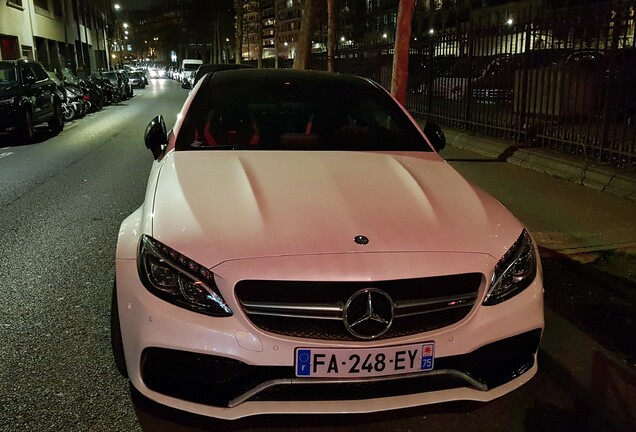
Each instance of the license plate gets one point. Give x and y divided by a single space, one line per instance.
356 362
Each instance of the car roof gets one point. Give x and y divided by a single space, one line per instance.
253 75
217 67
19 61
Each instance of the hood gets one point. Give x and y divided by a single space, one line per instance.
216 206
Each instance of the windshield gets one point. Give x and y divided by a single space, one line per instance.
265 112
191 66
53 77
7 73
111 76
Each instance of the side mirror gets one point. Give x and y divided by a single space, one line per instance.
435 135
156 137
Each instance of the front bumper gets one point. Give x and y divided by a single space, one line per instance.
228 368
191 376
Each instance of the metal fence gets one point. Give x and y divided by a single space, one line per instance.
566 82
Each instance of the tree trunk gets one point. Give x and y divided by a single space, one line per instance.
301 61
259 36
400 76
239 31
331 34
275 34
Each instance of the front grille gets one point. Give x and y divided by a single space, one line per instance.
315 310
360 390
218 381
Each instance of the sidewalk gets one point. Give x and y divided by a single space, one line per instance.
594 229
602 178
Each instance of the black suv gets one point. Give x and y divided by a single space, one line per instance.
28 97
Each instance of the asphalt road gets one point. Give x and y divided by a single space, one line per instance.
61 202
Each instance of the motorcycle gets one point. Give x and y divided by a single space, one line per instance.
94 91
74 105
111 95
92 95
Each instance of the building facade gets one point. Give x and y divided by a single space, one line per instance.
57 33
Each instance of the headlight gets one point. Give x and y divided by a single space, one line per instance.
177 279
514 272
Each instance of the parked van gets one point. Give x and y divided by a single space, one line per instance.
189 68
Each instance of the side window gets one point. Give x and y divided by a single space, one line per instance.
28 73
378 115
39 72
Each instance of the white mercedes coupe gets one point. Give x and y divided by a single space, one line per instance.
303 248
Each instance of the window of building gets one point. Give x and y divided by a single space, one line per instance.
42 4
57 8
17 3
8 47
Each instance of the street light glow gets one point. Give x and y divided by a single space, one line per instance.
125 25
431 31
116 6
510 21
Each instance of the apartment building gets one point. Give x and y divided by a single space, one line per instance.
57 33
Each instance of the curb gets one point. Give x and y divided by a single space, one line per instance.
601 381
601 178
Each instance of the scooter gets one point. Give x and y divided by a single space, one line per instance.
74 105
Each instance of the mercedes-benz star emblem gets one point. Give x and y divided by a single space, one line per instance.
368 313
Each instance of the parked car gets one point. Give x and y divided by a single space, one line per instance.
303 248
28 97
424 69
453 83
611 79
497 83
211 68
127 85
137 79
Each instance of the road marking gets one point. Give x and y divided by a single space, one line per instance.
5 154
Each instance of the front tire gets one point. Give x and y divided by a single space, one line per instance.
69 112
26 128
99 103
116 342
